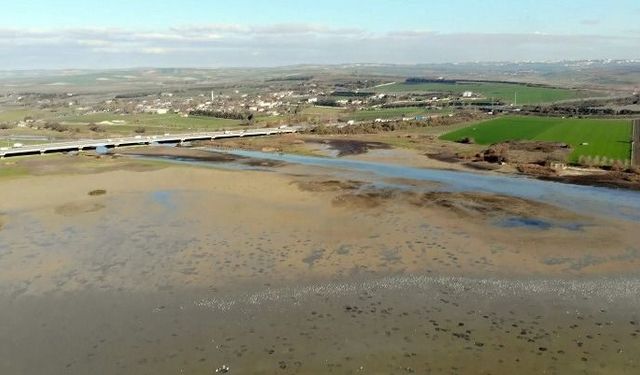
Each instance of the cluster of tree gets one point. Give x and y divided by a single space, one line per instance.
418 80
96 128
351 93
327 102
246 116
611 102
379 127
579 110
290 78
366 128
134 95
407 104
477 103
55 126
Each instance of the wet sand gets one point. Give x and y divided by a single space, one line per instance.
183 269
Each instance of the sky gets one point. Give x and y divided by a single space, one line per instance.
61 34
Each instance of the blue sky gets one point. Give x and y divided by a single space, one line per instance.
279 32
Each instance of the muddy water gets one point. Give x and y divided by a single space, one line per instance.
184 281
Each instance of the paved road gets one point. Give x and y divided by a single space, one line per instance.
90 144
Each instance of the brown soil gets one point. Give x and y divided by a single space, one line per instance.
446 156
190 154
538 146
364 200
536 170
524 152
328 185
353 147
480 204
183 153
465 205
482 166
81 164
263 163
280 143
611 179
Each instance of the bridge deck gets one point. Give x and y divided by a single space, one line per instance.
91 144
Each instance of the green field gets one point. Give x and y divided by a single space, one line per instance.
504 91
608 138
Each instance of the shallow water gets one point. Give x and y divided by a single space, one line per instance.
522 222
618 203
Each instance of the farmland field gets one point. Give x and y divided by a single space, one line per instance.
504 91
165 121
324 113
387 113
331 113
609 138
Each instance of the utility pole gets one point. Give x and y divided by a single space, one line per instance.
515 97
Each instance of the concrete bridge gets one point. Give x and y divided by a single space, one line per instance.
92 144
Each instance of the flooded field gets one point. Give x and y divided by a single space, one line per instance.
270 264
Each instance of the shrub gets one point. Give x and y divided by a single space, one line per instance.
588 161
140 130
617 166
96 128
582 160
56 127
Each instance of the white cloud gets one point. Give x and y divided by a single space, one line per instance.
286 44
156 50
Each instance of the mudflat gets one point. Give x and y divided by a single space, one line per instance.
184 268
